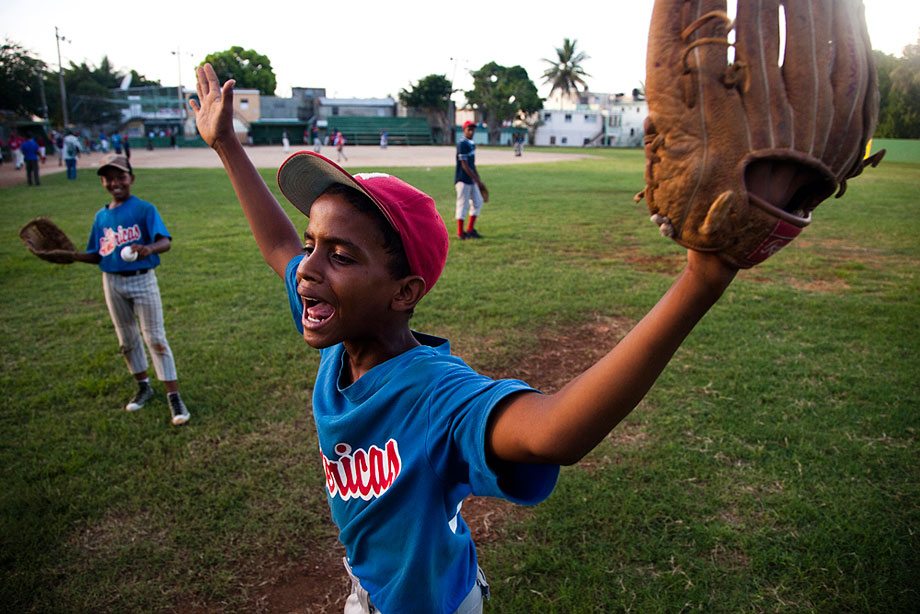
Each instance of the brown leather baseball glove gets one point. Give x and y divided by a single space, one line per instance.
44 239
744 139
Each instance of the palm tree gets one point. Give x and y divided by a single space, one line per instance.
566 74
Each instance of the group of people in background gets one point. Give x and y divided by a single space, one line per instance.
31 150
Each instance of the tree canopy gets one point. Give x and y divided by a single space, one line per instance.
501 94
431 92
248 67
89 100
431 95
20 80
899 87
566 73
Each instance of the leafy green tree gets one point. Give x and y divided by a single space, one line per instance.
20 80
899 86
251 69
432 96
501 94
89 98
566 73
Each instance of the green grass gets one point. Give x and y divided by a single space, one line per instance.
898 150
773 468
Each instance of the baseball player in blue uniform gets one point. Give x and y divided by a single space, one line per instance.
471 191
126 241
406 430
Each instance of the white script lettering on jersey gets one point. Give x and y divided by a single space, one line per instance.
364 474
111 239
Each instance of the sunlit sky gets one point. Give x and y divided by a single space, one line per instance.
359 48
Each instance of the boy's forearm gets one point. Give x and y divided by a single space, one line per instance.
89 258
272 228
563 427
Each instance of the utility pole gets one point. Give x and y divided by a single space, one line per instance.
182 110
58 36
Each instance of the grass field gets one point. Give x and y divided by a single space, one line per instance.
773 468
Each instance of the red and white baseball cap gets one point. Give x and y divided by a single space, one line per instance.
412 213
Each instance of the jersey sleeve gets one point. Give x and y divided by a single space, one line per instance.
464 150
154 224
290 283
459 412
92 245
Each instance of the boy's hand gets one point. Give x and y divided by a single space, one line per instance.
214 108
59 256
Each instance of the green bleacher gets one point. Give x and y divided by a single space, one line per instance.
366 130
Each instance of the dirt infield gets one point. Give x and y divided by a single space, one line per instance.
273 156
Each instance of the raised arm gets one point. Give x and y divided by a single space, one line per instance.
273 230
563 427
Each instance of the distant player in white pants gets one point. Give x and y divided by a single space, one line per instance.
470 188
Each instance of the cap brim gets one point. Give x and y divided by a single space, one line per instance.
305 175
105 166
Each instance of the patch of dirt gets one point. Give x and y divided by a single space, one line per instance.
320 586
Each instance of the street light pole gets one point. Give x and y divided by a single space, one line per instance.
183 113
58 37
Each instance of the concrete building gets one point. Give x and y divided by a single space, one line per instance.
591 119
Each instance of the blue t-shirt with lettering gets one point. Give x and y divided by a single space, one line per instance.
401 448
133 221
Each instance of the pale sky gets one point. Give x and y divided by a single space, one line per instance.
369 49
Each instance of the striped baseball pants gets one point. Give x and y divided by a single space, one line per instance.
132 301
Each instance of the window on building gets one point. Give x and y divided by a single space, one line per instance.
565 140
616 121
590 119
244 103
547 117
335 110
552 140
568 118
586 141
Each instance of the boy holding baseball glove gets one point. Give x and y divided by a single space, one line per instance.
406 430
126 239
404 427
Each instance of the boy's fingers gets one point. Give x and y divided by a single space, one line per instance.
200 82
211 75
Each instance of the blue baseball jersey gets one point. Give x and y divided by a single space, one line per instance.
466 150
133 221
401 448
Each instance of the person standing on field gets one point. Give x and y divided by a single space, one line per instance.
72 149
126 241
340 147
30 154
471 191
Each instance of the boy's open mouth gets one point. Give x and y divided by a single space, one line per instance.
316 311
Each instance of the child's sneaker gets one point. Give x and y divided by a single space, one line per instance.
178 409
144 394
473 234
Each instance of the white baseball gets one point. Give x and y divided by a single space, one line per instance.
128 254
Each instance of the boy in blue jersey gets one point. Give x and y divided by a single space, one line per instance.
127 237
471 191
407 430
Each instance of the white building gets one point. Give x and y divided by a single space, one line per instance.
593 120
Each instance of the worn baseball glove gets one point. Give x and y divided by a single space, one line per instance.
742 143
44 239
